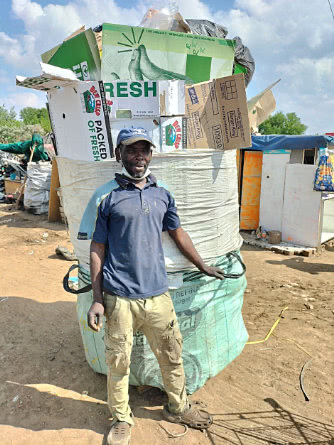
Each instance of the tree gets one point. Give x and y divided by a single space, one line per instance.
33 116
14 130
8 117
282 124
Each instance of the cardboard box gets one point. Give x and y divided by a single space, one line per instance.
79 54
136 53
80 121
78 112
152 126
173 133
217 114
144 99
12 187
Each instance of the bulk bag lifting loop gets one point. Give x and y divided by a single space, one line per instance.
89 286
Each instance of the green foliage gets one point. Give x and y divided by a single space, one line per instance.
33 116
33 121
282 124
8 117
10 133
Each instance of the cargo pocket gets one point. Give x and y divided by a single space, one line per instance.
118 352
171 348
110 305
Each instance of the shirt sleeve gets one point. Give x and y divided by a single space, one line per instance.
171 219
88 220
100 232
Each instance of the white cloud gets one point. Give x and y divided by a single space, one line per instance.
292 40
23 98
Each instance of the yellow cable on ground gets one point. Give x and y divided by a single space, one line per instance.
295 343
271 330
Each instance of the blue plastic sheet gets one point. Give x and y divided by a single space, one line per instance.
283 142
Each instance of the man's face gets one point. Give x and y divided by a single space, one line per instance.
136 158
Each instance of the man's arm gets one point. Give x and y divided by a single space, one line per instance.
96 311
187 248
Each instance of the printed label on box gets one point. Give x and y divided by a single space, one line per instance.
173 133
219 120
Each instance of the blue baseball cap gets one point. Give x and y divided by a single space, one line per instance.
130 135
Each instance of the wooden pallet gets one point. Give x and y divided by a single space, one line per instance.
282 248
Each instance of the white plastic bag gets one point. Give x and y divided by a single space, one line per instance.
164 15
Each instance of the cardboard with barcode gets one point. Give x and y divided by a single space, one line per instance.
217 114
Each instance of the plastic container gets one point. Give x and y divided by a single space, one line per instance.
274 237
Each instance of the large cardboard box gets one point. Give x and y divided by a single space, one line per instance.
217 114
80 54
80 121
78 111
152 54
144 99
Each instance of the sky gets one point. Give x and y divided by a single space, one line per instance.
291 40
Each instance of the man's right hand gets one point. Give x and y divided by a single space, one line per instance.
95 315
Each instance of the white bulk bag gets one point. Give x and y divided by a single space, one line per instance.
203 182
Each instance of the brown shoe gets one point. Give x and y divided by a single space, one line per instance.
192 416
119 434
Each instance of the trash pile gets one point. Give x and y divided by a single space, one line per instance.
184 82
12 173
25 174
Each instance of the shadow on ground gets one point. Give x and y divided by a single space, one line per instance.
45 380
303 266
276 426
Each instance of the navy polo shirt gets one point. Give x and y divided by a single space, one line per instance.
130 222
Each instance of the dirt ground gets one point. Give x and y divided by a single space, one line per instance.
50 395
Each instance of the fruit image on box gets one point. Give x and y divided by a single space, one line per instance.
141 53
173 134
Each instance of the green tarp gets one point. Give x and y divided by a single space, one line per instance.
24 148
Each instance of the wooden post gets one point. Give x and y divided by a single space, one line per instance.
54 202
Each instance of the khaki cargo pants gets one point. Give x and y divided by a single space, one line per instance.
156 318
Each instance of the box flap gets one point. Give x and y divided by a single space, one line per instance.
51 77
261 106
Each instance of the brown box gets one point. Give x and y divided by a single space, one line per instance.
12 186
217 114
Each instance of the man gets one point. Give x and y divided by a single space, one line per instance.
129 282
25 147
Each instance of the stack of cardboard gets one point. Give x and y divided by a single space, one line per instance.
155 79
180 88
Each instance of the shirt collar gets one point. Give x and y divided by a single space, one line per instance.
124 182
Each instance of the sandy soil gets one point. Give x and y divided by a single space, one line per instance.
49 394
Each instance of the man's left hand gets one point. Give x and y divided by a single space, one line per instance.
215 272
